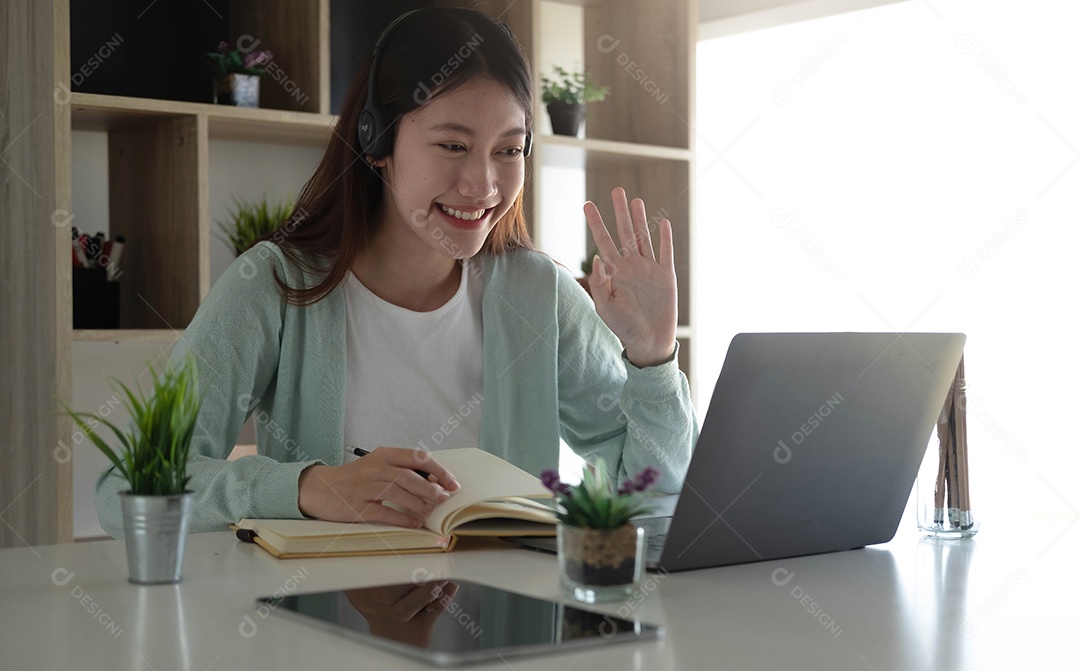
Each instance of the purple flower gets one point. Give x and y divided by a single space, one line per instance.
550 478
645 479
223 47
257 58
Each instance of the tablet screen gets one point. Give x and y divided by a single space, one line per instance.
450 621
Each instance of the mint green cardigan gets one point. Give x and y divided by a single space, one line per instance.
551 368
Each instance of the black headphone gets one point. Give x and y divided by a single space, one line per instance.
376 136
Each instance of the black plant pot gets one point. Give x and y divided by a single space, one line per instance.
566 118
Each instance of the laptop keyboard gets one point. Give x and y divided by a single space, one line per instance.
656 529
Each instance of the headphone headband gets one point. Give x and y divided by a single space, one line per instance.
375 131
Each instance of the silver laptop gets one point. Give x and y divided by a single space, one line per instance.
811 444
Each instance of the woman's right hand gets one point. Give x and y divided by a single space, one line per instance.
404 613
355 491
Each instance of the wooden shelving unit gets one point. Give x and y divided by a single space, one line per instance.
107 113
159 186
164 336
615 148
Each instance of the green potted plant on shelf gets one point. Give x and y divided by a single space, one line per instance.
153 458
565 96
601 554
236 74
250 220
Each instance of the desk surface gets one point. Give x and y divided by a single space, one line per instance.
1004 600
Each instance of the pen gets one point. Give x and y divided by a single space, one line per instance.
360 452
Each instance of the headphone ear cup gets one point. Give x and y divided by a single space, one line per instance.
366 130
376 140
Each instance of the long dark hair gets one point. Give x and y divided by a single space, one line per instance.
335 212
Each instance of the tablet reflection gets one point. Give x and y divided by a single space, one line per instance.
405 613
456 621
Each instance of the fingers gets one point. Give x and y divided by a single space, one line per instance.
624 223
375 512
418 599
642 237
667 248
408 501
446 594
436 471
418 460
599 277
631 223
600 234
388 475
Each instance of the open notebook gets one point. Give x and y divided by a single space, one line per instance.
490 502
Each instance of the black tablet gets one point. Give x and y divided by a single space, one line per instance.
449 622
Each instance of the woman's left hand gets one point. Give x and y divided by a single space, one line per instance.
635 293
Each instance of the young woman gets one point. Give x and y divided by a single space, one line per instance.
403 308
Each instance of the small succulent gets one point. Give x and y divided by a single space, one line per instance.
594 503
226 61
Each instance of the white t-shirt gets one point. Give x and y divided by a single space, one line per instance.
414 379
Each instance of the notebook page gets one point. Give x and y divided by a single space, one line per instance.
483 477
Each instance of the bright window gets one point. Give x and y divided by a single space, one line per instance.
911 167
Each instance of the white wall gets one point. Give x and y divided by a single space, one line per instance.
562 168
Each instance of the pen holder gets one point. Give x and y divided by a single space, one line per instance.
943 493
95 300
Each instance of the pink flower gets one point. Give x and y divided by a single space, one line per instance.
257 59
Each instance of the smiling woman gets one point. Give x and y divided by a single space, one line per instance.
402 307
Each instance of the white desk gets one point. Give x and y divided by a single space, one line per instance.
998 602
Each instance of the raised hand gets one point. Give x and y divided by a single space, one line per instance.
635 293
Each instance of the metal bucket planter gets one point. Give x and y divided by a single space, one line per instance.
155 531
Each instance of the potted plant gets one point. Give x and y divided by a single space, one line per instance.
248 221
153 458
565 97
601 554
236 75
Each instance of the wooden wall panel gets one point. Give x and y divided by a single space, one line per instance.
639 48
157 201
293 31
35 292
